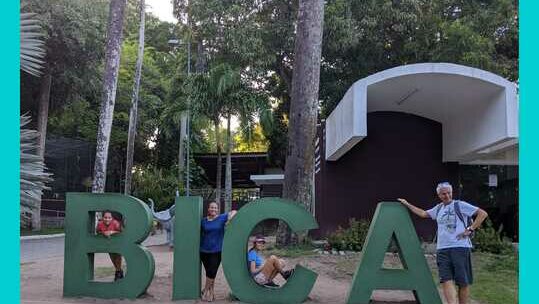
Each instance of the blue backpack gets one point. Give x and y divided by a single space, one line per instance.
466 222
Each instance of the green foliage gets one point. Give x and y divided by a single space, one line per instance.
360 38
252 141
77 119
487 239
351 238
365 37
256 40
157 184
160 184
74 33
222 92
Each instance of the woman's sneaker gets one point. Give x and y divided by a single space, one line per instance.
287 274
271 284
119 274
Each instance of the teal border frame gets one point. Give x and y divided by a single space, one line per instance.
10 150
529 150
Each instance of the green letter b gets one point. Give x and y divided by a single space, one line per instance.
81 243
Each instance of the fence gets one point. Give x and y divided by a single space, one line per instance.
52 218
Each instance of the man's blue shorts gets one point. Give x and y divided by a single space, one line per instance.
455 264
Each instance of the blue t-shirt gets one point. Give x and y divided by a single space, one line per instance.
253 256
450 226
212 233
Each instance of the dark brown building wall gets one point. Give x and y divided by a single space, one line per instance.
400 157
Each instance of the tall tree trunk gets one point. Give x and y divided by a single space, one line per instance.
219 162
299 167
184 125
42 118
133 114
181 147
43 115
110 82
228 167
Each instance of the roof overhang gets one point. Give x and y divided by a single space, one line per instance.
478 110
268 179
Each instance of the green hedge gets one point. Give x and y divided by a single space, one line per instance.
351 238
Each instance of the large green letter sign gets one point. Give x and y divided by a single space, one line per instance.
186 274
235 266
391 220
81 243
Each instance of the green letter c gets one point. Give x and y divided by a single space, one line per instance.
235 267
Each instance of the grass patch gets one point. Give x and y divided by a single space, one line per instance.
495 278
291 252
44 231
103 272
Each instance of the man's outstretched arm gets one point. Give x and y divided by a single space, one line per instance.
416 210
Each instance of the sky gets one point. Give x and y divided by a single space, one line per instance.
162 9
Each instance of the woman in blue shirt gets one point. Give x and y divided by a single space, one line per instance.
211 243
264 271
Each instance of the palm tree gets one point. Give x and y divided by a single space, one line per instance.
210 96
245 103
32 45
224 82
223 93
33 177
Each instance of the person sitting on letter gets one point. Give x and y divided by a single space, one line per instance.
264 271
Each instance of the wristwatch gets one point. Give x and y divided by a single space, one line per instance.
470 229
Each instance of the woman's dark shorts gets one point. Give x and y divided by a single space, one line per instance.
211 262
455 264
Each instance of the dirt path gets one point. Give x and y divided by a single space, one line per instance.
41 281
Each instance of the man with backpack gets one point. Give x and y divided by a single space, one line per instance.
455 230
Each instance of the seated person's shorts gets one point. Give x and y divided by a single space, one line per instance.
455 264
260 278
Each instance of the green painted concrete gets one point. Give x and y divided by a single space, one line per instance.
81 243
392 220
235 267
186 275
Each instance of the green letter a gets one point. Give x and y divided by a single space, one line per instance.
392 220
81 243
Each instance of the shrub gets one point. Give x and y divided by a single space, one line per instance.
351 238
487 239
157 184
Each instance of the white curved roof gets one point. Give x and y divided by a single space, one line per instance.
478 110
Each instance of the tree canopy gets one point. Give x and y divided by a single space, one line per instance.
256 40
